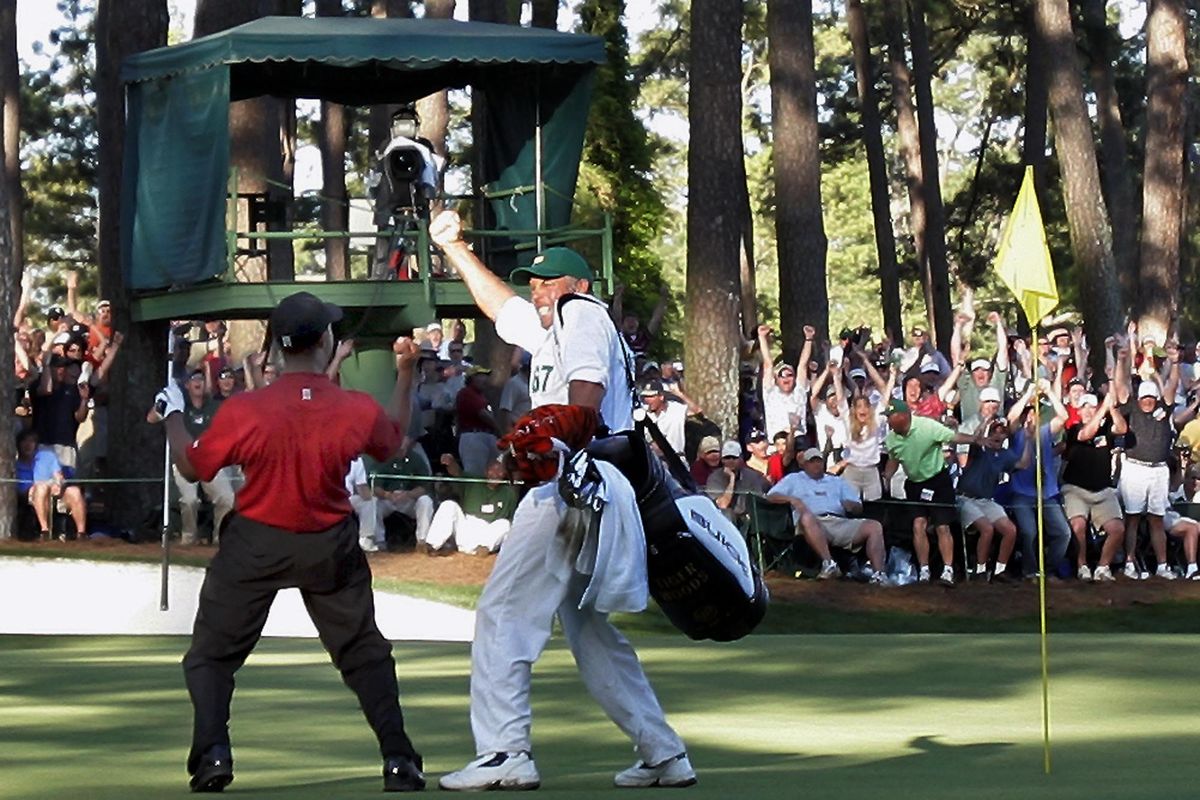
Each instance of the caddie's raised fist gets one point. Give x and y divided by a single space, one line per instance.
809 331
446 228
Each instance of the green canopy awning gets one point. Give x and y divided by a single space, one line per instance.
177 146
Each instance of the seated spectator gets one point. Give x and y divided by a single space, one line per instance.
364 504
477 428
783 460
478 522
1088 493
398 493
40 480
1180 526
987 462
756 446
708 460
820 505
729 485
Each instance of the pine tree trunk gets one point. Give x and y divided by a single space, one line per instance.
10 89
1116 176
331 137
434 110
799 227
10 261
1162 189
711 334
136 447
1087 215
1033 148
545 14
881 201
937 264
907 135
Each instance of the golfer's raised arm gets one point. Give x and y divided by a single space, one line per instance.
489 291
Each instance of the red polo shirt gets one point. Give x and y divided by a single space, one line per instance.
294 440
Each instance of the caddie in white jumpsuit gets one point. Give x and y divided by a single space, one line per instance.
576 359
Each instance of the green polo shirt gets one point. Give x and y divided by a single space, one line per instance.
920 452
489 503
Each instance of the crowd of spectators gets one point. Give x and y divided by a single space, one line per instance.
877 446
61 407
873 446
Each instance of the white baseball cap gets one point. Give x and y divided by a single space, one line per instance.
1089 399
981 363
731 449
1148 389
989 394
858 372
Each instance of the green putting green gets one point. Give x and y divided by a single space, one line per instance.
872 716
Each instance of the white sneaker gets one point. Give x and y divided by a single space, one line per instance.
1131 570
1103 575
1165 572
947 576
494 771
1084 574
368 545
923 575
675 772
880 579
829 570
1193 573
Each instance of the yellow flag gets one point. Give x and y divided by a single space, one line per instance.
1023 262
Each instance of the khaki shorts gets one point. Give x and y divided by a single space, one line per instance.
841 531
1097 507
972 509
866 480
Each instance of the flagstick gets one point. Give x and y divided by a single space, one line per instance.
1037 432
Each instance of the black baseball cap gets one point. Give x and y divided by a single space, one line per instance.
55 312
299 320
651 388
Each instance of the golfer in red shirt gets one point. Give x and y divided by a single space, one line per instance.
293 527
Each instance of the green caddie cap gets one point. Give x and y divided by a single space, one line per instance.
897 407
554 262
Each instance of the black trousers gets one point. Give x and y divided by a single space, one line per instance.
329 568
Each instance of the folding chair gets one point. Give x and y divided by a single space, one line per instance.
770 533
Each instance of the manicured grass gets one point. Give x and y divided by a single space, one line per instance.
920 716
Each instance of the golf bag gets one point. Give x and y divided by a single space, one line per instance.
698 565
